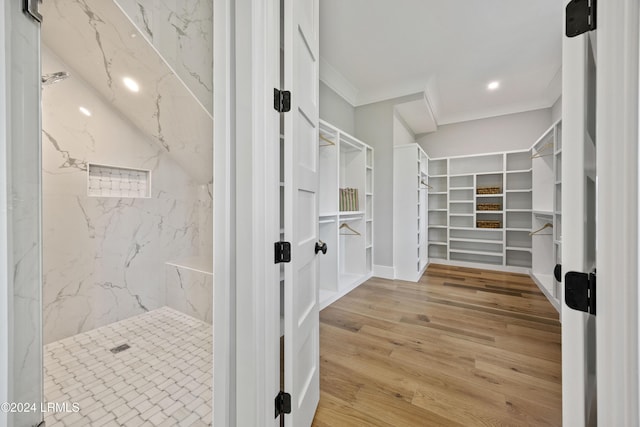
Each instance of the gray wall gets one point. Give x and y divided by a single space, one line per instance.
503 133
336 110
374 126
556 110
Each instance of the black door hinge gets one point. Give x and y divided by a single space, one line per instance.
580 17
283 403
281 100
282 252
32 8
580 291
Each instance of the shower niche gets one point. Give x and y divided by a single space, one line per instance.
113 181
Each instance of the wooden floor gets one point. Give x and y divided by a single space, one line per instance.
461 347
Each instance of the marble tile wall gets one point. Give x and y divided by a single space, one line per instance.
182 31
101 44
104 258
189 289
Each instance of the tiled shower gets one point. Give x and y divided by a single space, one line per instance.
127 210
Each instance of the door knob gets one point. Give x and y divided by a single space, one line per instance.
557 273
321 247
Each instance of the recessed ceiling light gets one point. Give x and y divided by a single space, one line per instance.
493 85
85 111
131 84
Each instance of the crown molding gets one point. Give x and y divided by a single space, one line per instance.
338 83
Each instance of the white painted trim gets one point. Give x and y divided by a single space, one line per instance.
337 295
574 323
256 136
617 235
480 266
5 293
555 303
390 92
224 345
338 83
384 272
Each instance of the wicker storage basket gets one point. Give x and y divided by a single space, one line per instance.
485 223
489 206
489 190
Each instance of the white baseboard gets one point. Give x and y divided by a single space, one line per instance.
384 272
481 266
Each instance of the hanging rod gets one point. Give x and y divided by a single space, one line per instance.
353 232
542 149
327 140
547 225
426 185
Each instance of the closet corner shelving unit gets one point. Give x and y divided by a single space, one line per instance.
526 210
438 198
546 153
456 233
344 162
411 208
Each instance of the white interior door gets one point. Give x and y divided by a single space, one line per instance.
578 225
302 324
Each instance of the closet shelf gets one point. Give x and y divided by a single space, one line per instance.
488 195
460 201
518 248
528 190
518 210
462 214
487 253
327 214
437 226
351 213
436 210
461 188
519 229
435 193
437 176
437 243
545 214
520 171
471 240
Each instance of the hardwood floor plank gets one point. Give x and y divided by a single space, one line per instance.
460 347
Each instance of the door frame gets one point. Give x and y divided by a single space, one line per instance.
5 294
618 228
246 212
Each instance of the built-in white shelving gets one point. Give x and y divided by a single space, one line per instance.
547 209
457 206
345 162
419 208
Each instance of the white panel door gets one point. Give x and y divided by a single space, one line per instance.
578 226
302 324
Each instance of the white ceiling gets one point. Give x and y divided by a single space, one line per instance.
372 50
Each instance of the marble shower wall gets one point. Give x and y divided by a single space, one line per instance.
104 258
182 32
189 288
